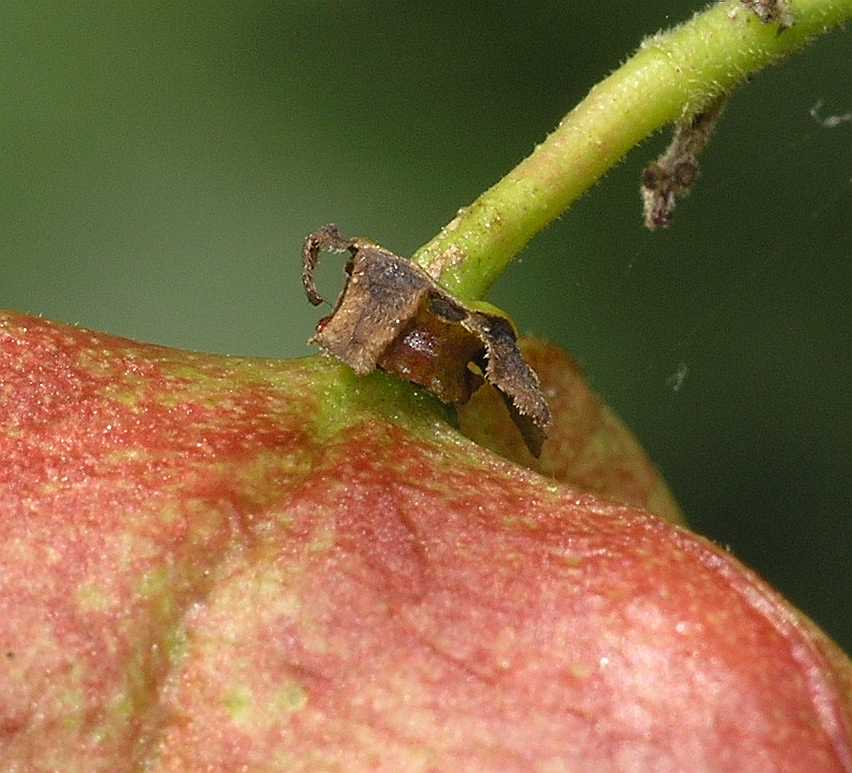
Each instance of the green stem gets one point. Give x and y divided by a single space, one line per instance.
673 75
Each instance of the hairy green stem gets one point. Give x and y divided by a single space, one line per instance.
673 75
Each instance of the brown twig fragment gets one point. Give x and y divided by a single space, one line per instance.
391 315
673 174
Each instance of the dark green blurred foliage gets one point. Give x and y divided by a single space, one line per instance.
161 163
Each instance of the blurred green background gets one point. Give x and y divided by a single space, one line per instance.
161 163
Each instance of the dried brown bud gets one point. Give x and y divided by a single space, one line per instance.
392 315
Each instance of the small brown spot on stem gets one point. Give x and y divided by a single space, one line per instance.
771 12
445 261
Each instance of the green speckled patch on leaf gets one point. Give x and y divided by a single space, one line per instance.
92 597
291 698
248 709
239 703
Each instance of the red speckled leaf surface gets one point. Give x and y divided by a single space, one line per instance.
587 446
224 564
